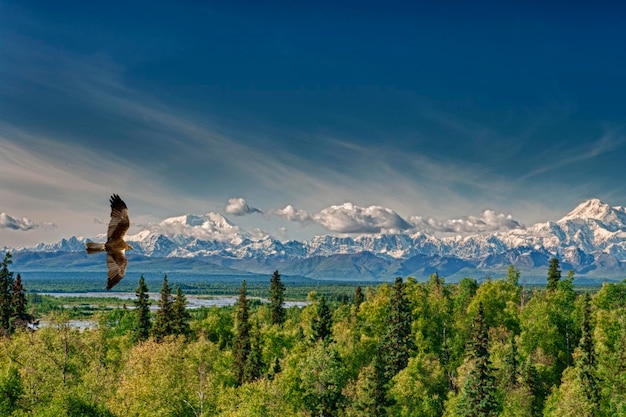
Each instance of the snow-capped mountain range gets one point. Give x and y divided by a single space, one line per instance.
591 240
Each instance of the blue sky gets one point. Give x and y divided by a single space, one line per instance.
321 117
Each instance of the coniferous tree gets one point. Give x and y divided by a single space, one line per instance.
587 361
396 344
512 275
6 284
241 343
358 298
142 310
554 275
368 396
478 395
277 299
512 364
254 362
322 322
180 315
19 313
163 320
532 381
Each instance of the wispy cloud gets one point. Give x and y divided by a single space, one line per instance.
22 223
556 158
238 206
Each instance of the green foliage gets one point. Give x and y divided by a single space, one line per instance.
11 390
323 378
163 322
400 349
359 297
513 275
478 396
396 343
180 315
420 389
367 394
142 310
322 322
277 299
554 274
6 284
241 343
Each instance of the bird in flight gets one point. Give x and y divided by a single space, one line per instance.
115 245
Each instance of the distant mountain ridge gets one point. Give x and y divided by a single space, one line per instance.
591 240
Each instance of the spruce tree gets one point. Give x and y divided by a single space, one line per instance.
180 315
142 310
478 395
358 298
587 360
163 320
254 362
6 284
554 275
322 322
396 344
277 299
19 314
532 382
512 275
241 343
511 364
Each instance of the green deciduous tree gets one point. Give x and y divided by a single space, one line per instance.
11 390
323 378
367 395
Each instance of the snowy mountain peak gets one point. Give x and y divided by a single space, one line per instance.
590 209
595 209
210 226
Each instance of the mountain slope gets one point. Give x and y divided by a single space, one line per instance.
591 239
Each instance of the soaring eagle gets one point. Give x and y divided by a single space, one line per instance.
115 245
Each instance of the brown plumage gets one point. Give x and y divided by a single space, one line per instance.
115 244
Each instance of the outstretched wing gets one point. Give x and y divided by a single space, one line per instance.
116 266
119 223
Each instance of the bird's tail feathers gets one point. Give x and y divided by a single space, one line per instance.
93 247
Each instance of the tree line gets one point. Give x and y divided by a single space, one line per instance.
405 348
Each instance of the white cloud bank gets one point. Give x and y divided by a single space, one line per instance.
22 223
350 218
489 221
239 207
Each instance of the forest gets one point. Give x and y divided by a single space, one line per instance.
402 348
